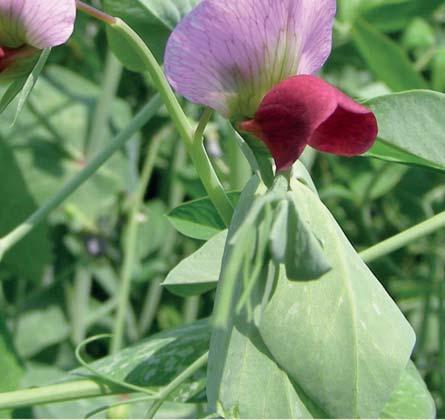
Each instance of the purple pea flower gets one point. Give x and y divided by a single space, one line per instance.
254 60
27 26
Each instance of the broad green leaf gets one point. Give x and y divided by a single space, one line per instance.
153 20
39 329
198 273
243 381
156 361
411 128
411 400
294 245
385 58
341 338
29 257
199 219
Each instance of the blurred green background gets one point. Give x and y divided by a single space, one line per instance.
61 284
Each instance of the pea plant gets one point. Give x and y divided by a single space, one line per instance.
241 216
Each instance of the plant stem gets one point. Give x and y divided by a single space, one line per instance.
143 116
155 290
172 386
112 76
78 390
196 149
55 393
97 14
404 238
130 256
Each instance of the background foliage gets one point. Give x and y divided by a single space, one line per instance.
61 283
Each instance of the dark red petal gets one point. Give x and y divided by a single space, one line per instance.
306 110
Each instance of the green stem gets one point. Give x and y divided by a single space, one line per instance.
55 393
97 14
144 115
80 304
175 196
78 390
402 239
196 149
179 380
130 256
112 77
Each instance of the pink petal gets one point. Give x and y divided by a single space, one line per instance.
38 23
305 110
229 54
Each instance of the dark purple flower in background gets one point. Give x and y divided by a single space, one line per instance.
243 57
28 26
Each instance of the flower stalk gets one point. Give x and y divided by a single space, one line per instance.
195 149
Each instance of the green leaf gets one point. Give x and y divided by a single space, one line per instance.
411 400
198 273
156 361
294 245
411 128
388 15
199 219
243 381
48 142
439 70
385 58
10 365
24 86
29 257
341 338
153 228
153 20
39 329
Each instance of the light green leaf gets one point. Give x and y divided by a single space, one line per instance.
199 219
243 381
198 273
411 400
411 128
385 58
341 338
294 245
153 228
153 20
39 329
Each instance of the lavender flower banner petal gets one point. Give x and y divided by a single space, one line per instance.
228 55
38 23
